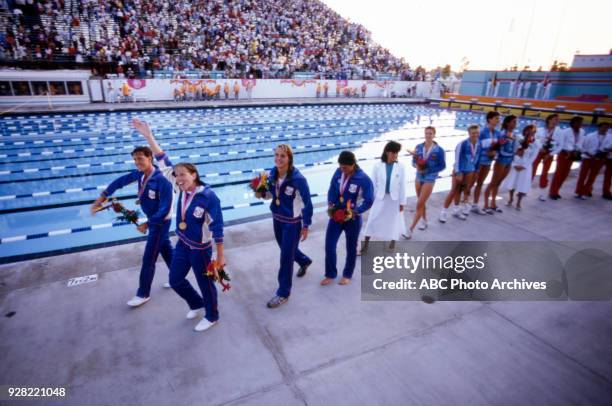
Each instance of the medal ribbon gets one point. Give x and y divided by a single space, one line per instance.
143 183
343 183
277 186
186 203
472 150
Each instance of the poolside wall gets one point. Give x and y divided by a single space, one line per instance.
96 90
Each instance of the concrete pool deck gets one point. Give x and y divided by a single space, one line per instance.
220 103
325 346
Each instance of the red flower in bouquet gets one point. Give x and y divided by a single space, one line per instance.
218 274
421 163
341 214
259 184
131 216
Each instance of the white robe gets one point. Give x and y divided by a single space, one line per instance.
520 181
385 221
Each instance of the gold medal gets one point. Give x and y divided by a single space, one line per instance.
277 201
182 225
341 199
138 202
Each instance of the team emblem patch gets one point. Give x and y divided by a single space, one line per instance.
289 190
198 212
352 188
151 194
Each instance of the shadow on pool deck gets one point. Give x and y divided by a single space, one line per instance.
325 346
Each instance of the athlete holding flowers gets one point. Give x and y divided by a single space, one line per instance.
155 198
429 160
291 213
199 222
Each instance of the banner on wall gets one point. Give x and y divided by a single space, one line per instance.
245 82
137 83
297 82
192 82
381 84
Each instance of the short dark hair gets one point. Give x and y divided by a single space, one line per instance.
507 121
146 151
550 117
347 158
492 114
576 120
392 146
431 127
602 124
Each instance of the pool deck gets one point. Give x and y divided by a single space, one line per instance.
220 103
325 346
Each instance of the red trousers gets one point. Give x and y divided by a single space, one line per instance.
546 160
607 178
564 166
589 169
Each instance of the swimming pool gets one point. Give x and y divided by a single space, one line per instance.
53 166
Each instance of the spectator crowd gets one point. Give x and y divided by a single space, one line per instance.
242 38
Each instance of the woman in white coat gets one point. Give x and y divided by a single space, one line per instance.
385 221
519 179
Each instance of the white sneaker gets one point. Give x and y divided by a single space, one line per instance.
408 235
138 301
478 210
443 216
542 197
167 285
192 314
204 324
459 215
422 225
466 209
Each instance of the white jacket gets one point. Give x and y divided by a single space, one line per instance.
542 135
593 142
565 140
397 186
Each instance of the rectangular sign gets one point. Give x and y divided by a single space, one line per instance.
487 271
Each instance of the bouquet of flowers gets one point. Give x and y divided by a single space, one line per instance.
260 184
341 214
130 216
421 163
217 273
548 145
497 144
576 155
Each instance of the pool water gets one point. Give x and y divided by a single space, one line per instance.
53 166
